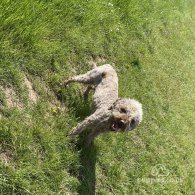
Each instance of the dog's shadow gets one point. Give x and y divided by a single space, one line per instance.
87 175
80 109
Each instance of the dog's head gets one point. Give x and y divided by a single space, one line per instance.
126 115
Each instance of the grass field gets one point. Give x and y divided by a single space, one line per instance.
150 43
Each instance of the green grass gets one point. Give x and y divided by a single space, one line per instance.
150 43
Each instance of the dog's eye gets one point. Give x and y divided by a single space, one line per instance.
122 110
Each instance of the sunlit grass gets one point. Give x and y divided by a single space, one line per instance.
151 45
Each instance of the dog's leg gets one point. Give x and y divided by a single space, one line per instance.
92 136
92 77
87 90
90 121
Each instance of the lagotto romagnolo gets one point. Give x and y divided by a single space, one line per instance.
110 113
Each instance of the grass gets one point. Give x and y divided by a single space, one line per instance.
151 45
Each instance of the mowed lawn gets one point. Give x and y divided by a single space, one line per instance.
151 44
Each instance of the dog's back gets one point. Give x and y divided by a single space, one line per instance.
106 91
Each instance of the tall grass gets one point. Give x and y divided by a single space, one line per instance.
151 45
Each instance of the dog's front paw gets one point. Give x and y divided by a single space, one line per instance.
66 82
73 132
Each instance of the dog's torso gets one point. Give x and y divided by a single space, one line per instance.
106 91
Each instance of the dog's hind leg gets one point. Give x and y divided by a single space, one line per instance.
92 77
87 90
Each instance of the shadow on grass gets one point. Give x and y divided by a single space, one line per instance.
81 108
87 175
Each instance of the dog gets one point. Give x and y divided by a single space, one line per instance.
110 113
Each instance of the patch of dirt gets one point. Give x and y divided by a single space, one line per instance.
32 94
11 98
5 156
1 106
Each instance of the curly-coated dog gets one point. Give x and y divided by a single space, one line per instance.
110 113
